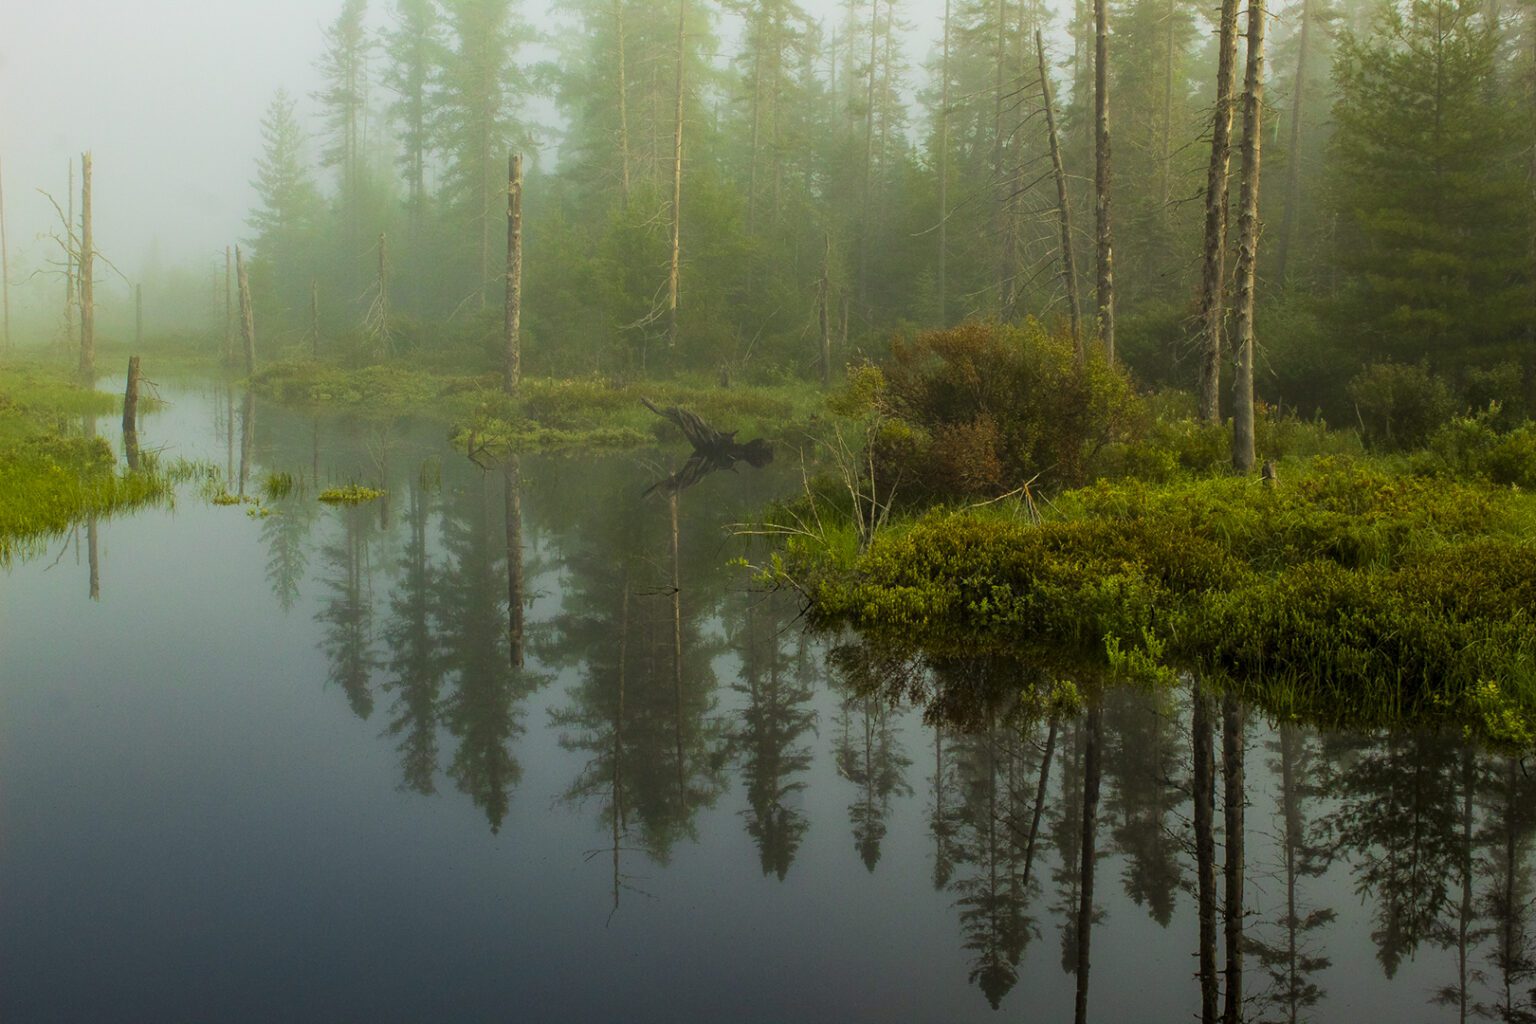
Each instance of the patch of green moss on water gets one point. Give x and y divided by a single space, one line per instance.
1350 594
352 494
52 474
547 413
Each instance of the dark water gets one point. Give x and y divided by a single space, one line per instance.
300 768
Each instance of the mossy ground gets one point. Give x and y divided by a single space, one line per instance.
590 413
1352 593
52 473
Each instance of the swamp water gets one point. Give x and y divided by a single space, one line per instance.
289 762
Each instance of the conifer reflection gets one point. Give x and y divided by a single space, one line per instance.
771 734
347 612
415 662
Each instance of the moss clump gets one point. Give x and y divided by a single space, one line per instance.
352 494
52 474
1350 594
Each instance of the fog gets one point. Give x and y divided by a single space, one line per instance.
167 94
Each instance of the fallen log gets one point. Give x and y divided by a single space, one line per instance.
715 445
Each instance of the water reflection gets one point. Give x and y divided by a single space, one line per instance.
1261 868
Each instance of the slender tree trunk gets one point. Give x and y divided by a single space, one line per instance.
1293 158
229 306
1248 240
383 287
1203 782
1063 207
71 264
138 315
677 182
92 546
247 317
87 283
944 177
247 435
755 134
824 314
131 414
1090 829
1233 796
314 317
513 370
5 268
869 155
1000 182
1213 262
1101 177
618 17
1165 157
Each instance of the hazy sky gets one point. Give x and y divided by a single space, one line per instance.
167 95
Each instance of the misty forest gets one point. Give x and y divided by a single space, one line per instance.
695 510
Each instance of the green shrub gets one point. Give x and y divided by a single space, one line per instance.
1399 404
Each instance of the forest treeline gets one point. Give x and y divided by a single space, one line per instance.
827 191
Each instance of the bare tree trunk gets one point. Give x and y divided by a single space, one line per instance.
1203 782
1293 166
513 368
247 317
1248 240
87 284
1213 262
229 306
1063 208
999 181
1165 158
677 183
1090 828
247 436
92 544
382 319
869 155
618 17
5 268
138 315
1232 800
314 318
131 414
1101 177
754 137
823 314
944 177
71 264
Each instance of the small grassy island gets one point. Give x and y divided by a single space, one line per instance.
1346 586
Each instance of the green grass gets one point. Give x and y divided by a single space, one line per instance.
547 413
352 494
1350 594
52 474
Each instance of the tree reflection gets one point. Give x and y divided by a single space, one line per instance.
415 661
348 612
770 736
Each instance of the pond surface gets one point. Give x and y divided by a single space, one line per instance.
358 764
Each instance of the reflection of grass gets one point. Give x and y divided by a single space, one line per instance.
51 474
548 413
352 494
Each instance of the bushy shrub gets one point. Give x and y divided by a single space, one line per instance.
1470 448
1002 405
1399 404
1499 391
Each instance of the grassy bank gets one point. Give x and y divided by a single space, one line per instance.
1351 593
54 471
548 413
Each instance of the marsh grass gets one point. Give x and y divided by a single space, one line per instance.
51 474
1349 594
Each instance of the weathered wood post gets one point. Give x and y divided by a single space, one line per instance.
513 314
247 318
87 293
131 414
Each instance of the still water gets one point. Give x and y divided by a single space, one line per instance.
517 743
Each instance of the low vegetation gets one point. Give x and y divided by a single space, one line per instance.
1352 588
54 471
